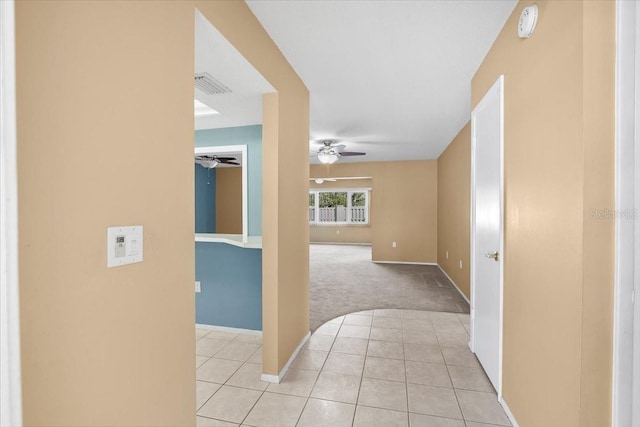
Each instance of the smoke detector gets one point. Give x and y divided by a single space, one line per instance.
528 21
206 83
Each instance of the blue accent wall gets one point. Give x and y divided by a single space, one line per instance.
251 136
205 199
231 286
231 277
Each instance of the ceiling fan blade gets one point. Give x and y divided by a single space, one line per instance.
223 159
321 180
352 153
226 162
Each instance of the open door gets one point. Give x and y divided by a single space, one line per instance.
487 129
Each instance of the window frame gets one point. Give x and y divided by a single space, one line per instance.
350 191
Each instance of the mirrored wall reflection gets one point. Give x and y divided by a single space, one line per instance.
218 193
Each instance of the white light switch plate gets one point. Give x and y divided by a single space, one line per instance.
124 245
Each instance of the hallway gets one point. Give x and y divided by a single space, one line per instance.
382 367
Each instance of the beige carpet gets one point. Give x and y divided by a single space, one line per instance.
344 280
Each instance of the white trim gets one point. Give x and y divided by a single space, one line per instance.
507 411
340 243
229 329
498 85
339 224
636 251
10 370
339 190
404 262
454 285
278 378
268 378
251 242
626 381
230 149
340 178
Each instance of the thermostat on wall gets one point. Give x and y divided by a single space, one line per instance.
528 20
124 245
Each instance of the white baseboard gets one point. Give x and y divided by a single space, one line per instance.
340 243
454 285
404 262
507 411
277 378
228 329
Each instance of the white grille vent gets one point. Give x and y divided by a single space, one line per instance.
206 83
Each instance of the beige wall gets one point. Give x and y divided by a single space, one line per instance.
115 346
285 174
105 346
360 234
341 183
403 206
229 200
454 210
559 144
341 233
598 130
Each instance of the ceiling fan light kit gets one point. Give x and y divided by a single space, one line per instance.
327 157
329 153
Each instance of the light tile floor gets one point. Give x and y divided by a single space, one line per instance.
373 368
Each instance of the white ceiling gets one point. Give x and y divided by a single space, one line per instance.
391 78
215 55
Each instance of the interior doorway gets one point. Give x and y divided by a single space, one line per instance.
487 248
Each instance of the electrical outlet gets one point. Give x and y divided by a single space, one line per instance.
460 264
447 254
393 244
337 231
197 286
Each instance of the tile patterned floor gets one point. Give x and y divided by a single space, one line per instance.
374 368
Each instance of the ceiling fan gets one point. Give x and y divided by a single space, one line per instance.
209 161
331 151
321 180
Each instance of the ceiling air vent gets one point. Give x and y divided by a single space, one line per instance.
206 83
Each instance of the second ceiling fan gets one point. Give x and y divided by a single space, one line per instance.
208 161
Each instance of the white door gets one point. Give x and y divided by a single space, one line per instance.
626 354
10 386
486 233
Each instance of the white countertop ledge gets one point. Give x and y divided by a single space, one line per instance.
253 242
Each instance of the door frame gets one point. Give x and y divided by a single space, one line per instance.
231 150
498 85
10 373
626 333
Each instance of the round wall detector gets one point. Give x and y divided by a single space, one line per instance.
528 20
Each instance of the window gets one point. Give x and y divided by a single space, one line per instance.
339 206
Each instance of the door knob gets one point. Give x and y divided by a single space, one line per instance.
494 255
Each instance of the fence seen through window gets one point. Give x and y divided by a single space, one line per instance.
339 207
